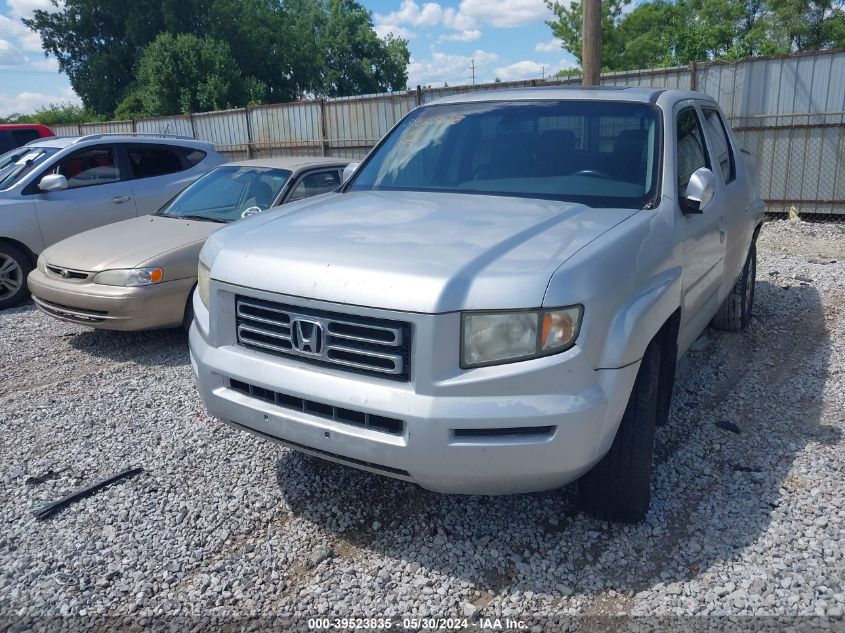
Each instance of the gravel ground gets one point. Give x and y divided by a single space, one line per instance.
748 514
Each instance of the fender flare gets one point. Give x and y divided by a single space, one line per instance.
640 319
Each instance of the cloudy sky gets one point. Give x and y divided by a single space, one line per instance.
507 39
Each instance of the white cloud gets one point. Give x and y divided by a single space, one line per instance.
27 102
443 68
552 46
383 30
24 8
45 63
26 40
460 36
10 55
528 69
499 13
469 17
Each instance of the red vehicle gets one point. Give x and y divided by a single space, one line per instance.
14 135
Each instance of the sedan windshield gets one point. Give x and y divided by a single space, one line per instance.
228 193
599 153
19 162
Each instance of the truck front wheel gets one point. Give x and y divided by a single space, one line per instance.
618 488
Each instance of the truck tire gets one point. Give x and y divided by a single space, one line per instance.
735 313
189 312
618 488
15 265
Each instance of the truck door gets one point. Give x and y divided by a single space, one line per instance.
701 234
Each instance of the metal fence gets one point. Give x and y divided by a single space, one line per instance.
789 112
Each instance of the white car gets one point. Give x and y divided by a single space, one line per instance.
495 301
56 187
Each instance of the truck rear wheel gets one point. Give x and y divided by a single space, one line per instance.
735 312
618 488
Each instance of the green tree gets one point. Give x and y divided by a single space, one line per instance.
54 114
667 32
184 73
285 48
354 59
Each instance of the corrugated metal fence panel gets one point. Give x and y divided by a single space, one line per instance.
359 123
286 130
673 78
227 129
107 127
65 129
176 125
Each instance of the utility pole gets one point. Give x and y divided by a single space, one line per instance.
473 71
591 45
544 72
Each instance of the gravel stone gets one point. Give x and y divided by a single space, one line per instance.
222 524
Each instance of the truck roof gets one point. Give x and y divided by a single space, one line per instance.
568 93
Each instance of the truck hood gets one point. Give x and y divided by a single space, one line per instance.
129 243
410 251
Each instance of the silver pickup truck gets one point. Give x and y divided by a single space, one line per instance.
495 301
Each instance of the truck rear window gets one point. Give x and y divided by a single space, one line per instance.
602 154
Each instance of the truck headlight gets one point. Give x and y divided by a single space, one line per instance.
131 277
490 338
203 274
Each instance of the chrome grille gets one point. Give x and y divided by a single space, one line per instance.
66 273
367 345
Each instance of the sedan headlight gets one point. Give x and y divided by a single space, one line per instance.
41 264
490 338
203 274
131 277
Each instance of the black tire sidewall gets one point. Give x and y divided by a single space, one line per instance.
25 264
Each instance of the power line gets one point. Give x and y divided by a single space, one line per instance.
473 71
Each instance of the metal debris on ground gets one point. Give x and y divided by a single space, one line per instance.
47 510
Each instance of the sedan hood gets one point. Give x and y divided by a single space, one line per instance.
129 243
410 251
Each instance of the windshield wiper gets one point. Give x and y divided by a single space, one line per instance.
201 218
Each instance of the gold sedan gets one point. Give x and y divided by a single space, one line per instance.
139 274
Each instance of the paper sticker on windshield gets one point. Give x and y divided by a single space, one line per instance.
25 159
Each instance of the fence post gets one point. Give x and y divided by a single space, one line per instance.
191 121
419 95
693 79
248 134
324 141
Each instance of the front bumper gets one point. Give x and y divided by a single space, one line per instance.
446 443
111 307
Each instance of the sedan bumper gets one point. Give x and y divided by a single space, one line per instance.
111 307
468 444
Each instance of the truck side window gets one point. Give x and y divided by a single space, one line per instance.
721 144
692 152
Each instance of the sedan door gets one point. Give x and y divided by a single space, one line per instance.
98 193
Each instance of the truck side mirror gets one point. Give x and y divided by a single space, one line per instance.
349 170
700 190
53 182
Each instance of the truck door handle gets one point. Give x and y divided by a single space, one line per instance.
120 199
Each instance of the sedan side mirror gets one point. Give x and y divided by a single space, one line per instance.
349 170
53 182
700 190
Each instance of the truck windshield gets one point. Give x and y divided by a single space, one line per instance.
228 193
19 162
598 153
